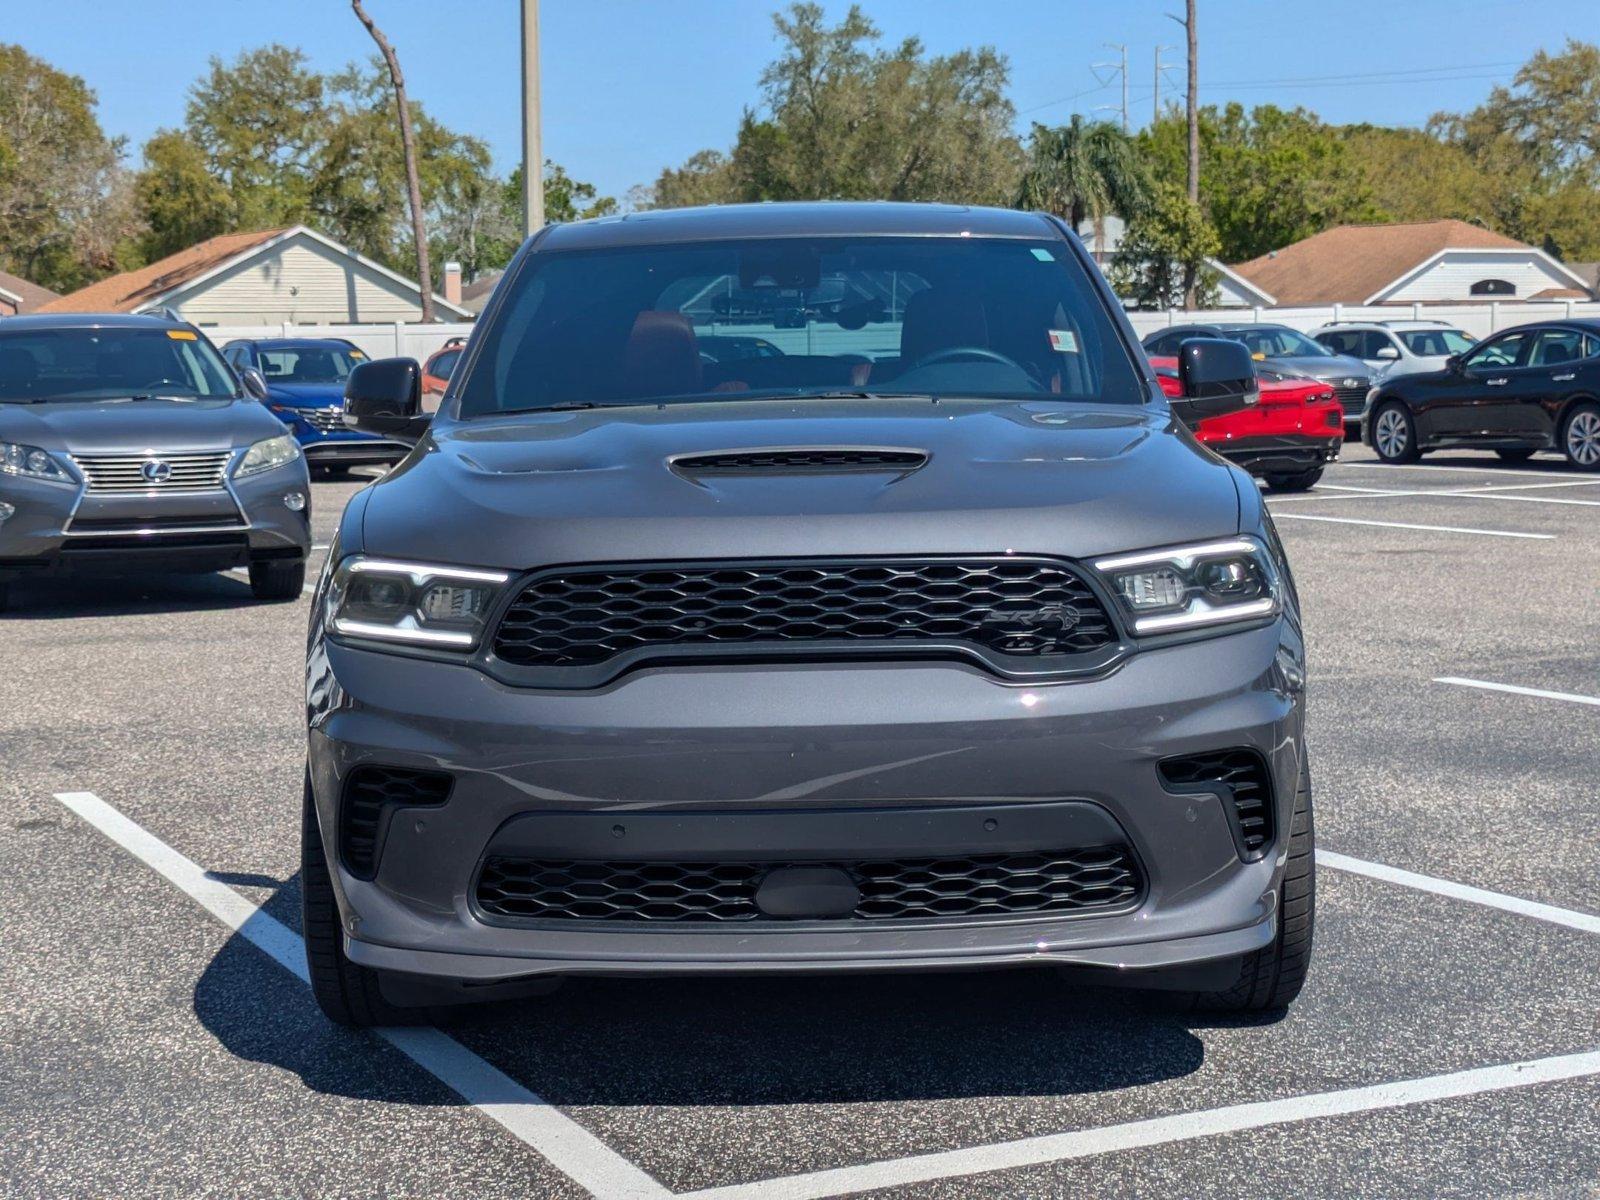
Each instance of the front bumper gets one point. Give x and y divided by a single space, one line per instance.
692 761
61 529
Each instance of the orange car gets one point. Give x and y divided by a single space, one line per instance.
436 371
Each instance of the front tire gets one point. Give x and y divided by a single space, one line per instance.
1580 437
1394 434
283 580
1298 481
347 992
1272 977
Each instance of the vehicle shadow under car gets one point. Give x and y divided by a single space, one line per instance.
125 595
729 1041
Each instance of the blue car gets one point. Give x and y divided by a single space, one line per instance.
304 385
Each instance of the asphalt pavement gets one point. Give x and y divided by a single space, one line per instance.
156 1040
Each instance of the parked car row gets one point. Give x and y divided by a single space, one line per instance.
1408 387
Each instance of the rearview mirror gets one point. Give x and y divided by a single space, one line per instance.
255 383
385 398
1217 377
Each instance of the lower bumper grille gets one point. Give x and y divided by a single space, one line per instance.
370 792
1351 399
1243 776
890 889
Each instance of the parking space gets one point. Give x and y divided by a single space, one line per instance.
155 1040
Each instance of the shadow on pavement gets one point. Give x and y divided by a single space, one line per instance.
732 1041
126 595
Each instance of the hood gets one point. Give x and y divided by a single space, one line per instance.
306 395
136 426
601 485
1334 369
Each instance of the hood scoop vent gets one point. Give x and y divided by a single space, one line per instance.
800 460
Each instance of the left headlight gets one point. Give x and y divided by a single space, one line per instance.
1190 587
268 453
31 462
416 603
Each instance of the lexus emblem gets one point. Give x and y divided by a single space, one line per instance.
1351 383
156 470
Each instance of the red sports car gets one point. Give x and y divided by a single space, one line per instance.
1295 430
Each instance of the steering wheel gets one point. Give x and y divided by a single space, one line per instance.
955 353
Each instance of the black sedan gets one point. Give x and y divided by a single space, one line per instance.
1535 387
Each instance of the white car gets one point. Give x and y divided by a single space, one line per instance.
1393 348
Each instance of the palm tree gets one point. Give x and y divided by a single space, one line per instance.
1084 170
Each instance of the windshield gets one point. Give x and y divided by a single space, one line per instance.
316 362
1436 343
1279 341
718 321
42 365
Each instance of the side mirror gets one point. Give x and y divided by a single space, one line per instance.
1455 364
255 383
1217 376
1387 352
385 398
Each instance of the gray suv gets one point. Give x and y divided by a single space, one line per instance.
127 444
931 641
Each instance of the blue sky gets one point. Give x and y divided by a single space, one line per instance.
631 86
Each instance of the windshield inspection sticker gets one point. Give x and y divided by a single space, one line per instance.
1063 341
1043 255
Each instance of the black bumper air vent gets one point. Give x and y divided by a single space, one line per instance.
370 794
907 889
799 461
1243 777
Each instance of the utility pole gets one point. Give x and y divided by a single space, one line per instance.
1192 105
1120 68
532 142
1155 94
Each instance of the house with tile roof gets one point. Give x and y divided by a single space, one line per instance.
1427 262
18 295
273 275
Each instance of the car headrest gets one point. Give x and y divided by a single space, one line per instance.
662 357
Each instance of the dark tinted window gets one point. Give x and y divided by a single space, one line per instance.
85 364
1436 343
1507 350
1343 341
1556 346
318 362
943 316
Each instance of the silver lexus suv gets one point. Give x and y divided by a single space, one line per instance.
127 444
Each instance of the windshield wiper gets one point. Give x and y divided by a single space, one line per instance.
165 396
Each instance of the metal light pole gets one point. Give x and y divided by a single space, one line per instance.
532 143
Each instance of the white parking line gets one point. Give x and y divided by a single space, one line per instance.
1570 697
1283 516
564 1143
1157 1131
1569 917
1377 466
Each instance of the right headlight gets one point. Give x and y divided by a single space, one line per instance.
268 453
419 604
1188 587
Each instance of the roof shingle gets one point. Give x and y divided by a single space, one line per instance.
125 292
1349 263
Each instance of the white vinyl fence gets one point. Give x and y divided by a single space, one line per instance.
1479 320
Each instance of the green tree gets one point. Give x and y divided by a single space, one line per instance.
1084 170
66 211
841 118
1163 252
1268 177
181 200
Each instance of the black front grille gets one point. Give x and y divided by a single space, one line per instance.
1351 399
1016 607
891 889
789 462
370 792
1243 775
